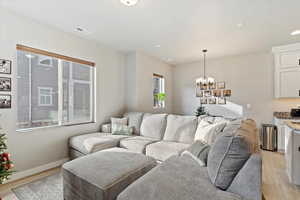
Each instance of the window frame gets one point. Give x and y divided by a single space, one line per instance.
162 89
50 95
92 83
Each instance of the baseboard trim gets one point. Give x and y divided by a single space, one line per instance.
23 174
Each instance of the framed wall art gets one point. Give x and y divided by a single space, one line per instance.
5 101
5 84
5 66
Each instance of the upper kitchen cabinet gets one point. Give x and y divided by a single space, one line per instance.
287 71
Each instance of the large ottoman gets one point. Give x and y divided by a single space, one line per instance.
103 175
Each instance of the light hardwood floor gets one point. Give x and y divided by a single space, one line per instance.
276 185
275 181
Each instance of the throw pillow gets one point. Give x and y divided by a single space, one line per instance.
225 159
120 129
119 126
123 121
199 152
207 132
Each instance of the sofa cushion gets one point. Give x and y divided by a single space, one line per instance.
199 151
178 178
247 129
137 144
207 132
154 125
181 128
247 182
89 143
225 159
103 175
134 120
164 149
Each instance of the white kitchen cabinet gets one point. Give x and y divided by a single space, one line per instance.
287 71
292 155
281 132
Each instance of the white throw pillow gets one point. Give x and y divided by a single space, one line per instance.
207 132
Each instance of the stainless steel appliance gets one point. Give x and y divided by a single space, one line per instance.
295 112
268 137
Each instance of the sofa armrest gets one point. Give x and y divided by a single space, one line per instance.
248 181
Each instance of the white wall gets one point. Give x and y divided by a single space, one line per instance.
139 85
249 76
39 147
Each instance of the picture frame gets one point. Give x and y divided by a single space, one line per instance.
217 93
222 100
212 86
199 92
212 100
5 101
207 93
5 84
221 85
5 66
203 101
226 93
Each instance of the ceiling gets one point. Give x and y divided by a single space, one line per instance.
182 28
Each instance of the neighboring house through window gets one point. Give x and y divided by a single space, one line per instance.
45 96
158 91
45 61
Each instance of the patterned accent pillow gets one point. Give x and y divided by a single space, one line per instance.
120 129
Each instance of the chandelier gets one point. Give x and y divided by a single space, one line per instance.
210 91
205 80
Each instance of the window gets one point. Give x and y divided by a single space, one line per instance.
45 61
45 96
60 95
158 91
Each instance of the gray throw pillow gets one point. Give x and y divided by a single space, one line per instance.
120 129
225 159
198 151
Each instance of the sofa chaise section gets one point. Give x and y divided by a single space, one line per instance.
178 178
89 143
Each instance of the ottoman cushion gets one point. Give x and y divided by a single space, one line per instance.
103 175
137 144
89 143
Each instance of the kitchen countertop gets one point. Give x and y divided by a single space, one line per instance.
294 125
284 115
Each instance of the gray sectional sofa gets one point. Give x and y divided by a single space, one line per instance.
233 168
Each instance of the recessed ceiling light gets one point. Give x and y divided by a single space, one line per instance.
296 32
79 29
129 2
157 46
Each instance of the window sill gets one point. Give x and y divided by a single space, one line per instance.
51 127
